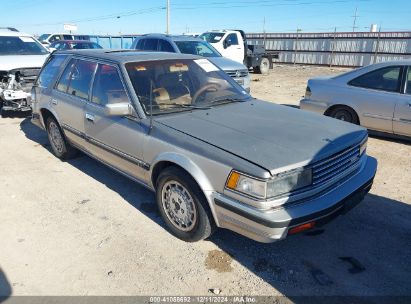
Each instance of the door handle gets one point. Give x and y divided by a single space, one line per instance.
90 117
53 101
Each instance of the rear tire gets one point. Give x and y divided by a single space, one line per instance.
344 114
183 206
264 67
58 142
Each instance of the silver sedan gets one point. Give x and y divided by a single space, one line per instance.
377 96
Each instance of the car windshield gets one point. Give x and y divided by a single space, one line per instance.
212 37
200 48
43 37
166 86
11 45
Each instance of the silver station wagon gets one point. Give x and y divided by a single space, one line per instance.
215 156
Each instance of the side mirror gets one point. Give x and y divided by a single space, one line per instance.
119 109
226 43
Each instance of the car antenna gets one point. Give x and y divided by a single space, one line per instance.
151 106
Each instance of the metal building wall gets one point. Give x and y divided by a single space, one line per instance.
335 49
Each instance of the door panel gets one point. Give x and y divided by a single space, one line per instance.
116 140
69 97
376 108
235 50
402 115
70 110
376 94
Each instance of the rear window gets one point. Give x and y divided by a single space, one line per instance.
50 70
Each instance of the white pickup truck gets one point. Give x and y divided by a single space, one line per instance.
233 45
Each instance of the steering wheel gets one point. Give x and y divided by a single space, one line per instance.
203 89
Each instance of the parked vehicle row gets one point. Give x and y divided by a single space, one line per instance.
48 39
73 45
214 156
194 46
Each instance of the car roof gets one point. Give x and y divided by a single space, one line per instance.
124 56
11 33
171 37
74 41
393 62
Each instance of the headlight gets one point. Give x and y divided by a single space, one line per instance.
289 182
363 146
282 183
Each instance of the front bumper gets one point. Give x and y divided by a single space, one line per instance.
272 225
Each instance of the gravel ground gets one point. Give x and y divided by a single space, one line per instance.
78 228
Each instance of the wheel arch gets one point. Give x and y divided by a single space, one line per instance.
178 160
46 113
340 105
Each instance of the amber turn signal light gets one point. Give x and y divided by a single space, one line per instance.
233 180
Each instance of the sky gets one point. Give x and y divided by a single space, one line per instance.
137 16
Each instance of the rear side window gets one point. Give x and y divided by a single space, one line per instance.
108 87
77 77
165 46
65 78
385 79
50 70
140 44
80 78
150 44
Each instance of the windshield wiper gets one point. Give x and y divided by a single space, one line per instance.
184 106
229 99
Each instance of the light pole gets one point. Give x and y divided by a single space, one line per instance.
168 17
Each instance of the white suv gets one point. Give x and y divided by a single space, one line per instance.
21 58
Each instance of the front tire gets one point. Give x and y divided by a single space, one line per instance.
183 206
61 148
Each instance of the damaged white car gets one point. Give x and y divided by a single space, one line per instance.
21 58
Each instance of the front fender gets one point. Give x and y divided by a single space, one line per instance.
187 164
193 169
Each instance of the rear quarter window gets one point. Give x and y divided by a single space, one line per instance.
50 70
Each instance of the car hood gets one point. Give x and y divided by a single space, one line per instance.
12 62
273 137
227 64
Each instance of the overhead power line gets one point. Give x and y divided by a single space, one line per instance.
105 17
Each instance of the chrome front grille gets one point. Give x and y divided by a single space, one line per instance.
237 73
337 165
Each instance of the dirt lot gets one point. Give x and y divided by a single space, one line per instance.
78 228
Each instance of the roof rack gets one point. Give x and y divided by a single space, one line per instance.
12 29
